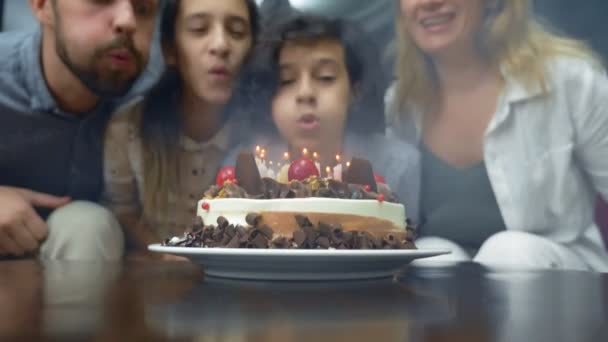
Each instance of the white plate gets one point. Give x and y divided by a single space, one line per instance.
290 264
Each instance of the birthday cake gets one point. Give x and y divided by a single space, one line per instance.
246 210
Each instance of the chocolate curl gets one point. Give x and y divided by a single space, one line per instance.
248 175
361 172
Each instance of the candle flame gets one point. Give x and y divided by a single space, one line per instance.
286 156
347 164
257 148
338 158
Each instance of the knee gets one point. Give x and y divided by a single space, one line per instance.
512 248
88 228
508 242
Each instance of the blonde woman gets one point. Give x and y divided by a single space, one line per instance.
512 123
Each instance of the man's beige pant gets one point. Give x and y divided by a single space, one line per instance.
83 231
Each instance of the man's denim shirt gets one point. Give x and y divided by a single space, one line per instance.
43 148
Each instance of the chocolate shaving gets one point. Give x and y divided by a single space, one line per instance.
340 189
198 223
299 237
300 190
280 243
266 231
303 221
222 222
253 219
309 236
234 242
324 229
323 242
259 242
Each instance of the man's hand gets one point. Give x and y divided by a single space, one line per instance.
21 229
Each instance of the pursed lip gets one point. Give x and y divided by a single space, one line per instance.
121 56
309 122
220 72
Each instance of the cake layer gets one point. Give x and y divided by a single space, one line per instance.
365 215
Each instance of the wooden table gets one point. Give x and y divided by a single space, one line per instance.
155 301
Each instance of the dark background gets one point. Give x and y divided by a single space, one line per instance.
583 19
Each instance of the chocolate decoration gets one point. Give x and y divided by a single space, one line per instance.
222 222
323 242
259 242
198 224
361 172
322 236
340 189
248 175
324 229
312 187
303 221
280 243
253 219
266 231
234 242
299 237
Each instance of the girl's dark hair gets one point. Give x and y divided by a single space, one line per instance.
363 63
160 122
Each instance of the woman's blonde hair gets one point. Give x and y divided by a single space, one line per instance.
511 38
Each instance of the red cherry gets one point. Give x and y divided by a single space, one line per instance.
227 173
302 169
381 198
205 206
379 178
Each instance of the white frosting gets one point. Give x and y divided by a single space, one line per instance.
236 209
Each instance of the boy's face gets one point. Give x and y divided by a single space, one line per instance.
104 43
311 103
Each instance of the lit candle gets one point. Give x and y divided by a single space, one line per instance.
338 168
270 173
305 152
258 150
283 175
315 156
286 157
328 170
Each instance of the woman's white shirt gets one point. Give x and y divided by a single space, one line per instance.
546 154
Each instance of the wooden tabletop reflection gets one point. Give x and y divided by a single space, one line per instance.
161 301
